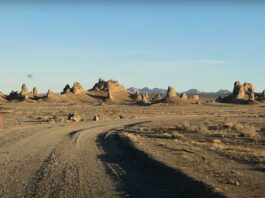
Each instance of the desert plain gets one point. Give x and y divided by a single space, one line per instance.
106 142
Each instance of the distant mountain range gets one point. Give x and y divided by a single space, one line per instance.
148 90
164 91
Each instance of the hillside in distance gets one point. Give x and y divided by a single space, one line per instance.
153 91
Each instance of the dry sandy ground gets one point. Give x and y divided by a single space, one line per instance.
208 150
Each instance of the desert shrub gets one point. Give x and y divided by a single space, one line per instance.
184 126
245 130
203 129
187 127
228 125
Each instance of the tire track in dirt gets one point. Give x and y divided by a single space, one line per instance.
21 159
63 164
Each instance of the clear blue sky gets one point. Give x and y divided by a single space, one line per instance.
204 46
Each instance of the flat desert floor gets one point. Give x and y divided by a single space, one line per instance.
207 150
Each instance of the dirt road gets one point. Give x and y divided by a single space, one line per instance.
68 160
188 151
54 161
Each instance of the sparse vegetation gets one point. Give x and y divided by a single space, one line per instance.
221 145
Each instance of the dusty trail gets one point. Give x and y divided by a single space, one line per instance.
75 160
186 152
55 160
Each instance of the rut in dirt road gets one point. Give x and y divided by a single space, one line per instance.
72 169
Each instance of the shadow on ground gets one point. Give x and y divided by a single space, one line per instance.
138 175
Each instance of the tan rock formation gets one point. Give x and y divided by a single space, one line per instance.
241 93
171 92
252 96
138 97
77 88
195 97
35 92
67 89
249 87
24 92
237 86
172 97
183 96
156 98
117 93
50 93
101 85
145 98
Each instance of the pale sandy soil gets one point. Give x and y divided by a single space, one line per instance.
208 150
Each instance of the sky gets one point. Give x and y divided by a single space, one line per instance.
205 45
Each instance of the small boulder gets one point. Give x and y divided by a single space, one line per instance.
96 118
122 117
74 117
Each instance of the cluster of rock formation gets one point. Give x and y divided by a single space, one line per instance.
103 90
138 97
171 97
24 94
112 91
142 97
243 94
77 88
102 85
